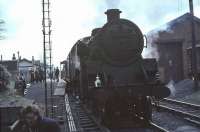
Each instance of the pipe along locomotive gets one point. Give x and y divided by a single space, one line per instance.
107 72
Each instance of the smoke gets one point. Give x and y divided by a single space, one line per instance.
112 3
151 50
5 75
171 86
152 37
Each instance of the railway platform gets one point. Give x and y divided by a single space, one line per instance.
64 108
55 100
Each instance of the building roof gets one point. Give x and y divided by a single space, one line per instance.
173 23
24 59
185 17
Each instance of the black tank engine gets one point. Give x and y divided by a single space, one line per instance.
106 70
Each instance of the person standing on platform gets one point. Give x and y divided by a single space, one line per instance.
57 74
23 81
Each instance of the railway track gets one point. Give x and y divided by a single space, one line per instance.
173 122
195 109
80 120
88 122
157 127
151 128
188 111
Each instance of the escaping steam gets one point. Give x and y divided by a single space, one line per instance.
152 37
171 86
151 50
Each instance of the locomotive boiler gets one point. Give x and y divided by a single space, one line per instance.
106 70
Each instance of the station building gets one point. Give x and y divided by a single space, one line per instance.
173 43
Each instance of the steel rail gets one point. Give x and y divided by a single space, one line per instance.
159 128
181 102
187 116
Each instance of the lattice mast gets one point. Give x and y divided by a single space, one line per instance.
47 47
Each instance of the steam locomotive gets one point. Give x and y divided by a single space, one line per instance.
106 70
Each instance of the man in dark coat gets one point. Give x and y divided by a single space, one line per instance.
57 74
31 121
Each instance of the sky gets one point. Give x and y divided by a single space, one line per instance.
74 19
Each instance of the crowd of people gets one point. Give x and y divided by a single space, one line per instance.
55 74
29 119
37 76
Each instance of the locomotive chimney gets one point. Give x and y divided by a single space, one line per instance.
113 14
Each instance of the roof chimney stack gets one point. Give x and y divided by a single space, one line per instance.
113 15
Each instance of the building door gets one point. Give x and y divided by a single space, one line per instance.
171 60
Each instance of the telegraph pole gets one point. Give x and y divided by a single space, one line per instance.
194 57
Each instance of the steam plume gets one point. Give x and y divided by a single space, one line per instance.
170 85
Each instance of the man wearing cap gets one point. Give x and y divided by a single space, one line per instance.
31 121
